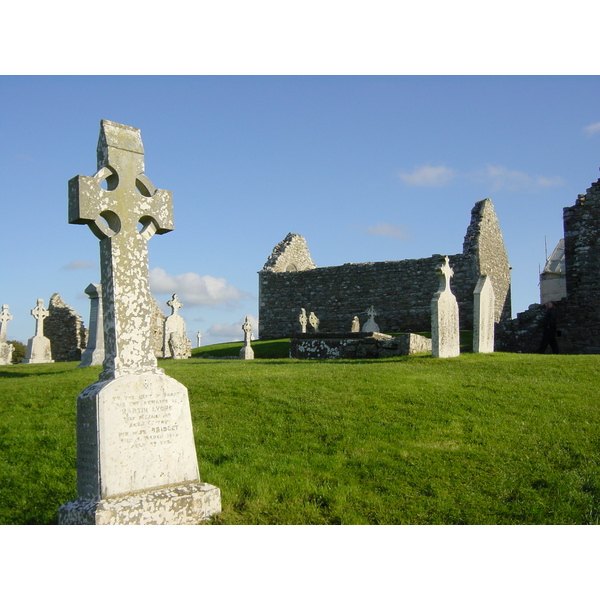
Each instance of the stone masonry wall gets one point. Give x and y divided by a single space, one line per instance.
400 291
579 312
64 328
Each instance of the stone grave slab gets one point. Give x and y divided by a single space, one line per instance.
483 315
445 334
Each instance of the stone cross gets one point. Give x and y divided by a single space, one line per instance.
303 320
39 314
4 319
124 215
175 305
355 325
314 321
247 329
246 352
370 325
447 272
136 456
445 334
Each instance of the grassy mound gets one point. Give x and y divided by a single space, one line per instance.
478 439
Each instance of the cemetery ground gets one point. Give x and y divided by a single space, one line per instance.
477 439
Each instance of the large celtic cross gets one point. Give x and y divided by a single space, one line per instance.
124 210
39 313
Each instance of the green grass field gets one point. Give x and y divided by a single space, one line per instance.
478 439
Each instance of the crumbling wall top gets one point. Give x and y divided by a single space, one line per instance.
291 254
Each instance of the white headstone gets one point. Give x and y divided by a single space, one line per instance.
314 322
6 349
38 347
136 458
176 343
94 353
355 325
199 335
445 334
483 315
370 324
246 353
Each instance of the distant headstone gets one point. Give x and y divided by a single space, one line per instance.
355 325
199 335
65 330
370 325
136 458
303 320
176 344
94 352
314 322
158 328
483 315
246 353
38 347
6 349
445 338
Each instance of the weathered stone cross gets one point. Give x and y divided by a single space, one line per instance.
446 272
124 210
175 305
4 319
39 314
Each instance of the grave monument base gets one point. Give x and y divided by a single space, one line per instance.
186 504
246 353
38 351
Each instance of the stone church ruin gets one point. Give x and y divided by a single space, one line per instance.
399 291
577 261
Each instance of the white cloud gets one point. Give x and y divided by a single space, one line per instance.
502 178
592 129
429 176
388 230
80 264
196 290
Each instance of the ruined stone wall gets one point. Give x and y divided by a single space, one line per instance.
400 291
64 328
579 312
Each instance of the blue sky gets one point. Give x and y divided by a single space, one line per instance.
366 168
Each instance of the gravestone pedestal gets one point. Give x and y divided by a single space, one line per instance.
136 458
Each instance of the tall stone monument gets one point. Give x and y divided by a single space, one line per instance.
483 315
38 347
246 353
199 336
94 353
176 344
6 349
136 459
445 335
